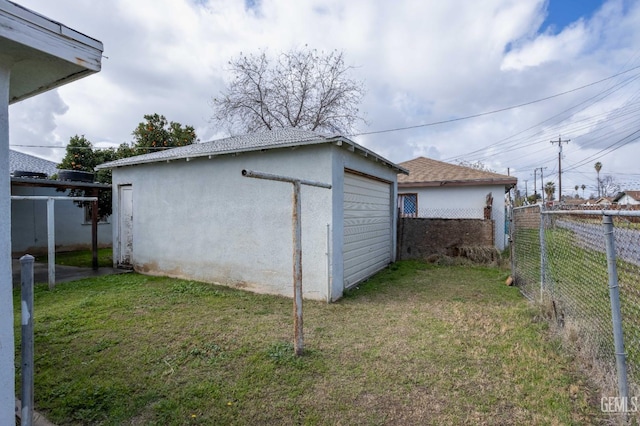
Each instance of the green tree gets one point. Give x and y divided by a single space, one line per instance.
549 189
82 156
533 198
598 167
156 134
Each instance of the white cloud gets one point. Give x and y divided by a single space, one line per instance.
421 61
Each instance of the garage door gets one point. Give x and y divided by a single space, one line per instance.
367 227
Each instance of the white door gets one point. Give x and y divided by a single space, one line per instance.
125 229
368 238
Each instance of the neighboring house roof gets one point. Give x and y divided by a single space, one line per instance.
603 200
573 201
427 172
19 161
279 138
632 194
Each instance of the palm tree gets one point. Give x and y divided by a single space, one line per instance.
577 187
598 167
583 188
549 189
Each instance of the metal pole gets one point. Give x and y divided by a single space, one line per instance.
51 242
542 184
94 232
51 246
616 315
297 271
543 249
329 290
26 279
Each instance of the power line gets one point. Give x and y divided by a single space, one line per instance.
482 114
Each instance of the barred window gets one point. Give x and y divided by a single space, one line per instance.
408 205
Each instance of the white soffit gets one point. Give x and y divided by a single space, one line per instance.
45 54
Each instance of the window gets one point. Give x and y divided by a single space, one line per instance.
408 205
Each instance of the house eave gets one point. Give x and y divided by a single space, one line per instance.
507 183
339 141
43 53
58 184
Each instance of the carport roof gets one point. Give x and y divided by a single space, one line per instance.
278 138
21 161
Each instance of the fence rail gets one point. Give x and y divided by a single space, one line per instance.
575 263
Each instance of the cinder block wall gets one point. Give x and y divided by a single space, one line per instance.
419 238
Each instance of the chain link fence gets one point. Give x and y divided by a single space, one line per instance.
561 259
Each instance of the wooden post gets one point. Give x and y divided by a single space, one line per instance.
94 229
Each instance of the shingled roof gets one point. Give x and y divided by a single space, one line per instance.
427 172
19 161
633 194
278 138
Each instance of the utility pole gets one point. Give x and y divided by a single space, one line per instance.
560 142
526 189
535 185
541 183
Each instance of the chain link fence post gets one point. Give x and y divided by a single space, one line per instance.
616 315
543 255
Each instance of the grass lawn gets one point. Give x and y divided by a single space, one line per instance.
82 258
417 344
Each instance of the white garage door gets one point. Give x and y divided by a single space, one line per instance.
367 227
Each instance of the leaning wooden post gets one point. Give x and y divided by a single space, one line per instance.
297 249
297 270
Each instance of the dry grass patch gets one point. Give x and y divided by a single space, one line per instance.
417 344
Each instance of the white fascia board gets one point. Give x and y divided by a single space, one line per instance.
53 53
33 30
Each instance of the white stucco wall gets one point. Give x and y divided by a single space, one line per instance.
626 200
463 202
203 220
29 223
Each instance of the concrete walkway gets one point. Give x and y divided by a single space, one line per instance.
63 273
38 419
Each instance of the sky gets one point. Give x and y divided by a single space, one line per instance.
458 80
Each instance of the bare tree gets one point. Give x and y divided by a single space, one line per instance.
609 186
301 88
477 165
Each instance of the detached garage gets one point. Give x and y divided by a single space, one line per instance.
190 213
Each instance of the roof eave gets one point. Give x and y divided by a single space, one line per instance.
63 184
45 53
338 141
449 183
